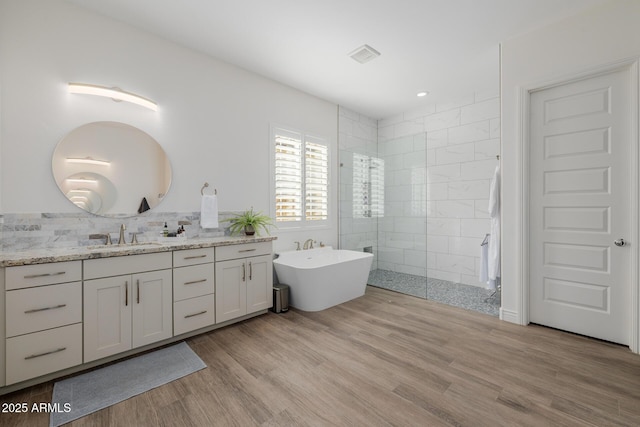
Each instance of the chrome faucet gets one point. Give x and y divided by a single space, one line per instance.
308 244
121 239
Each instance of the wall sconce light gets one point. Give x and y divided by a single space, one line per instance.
83 180
88 161
112 92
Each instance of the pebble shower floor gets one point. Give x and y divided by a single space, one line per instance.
455 294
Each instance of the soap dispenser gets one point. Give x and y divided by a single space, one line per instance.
165 231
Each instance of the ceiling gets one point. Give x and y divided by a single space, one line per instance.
449 48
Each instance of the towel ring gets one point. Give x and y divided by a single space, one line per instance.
206 184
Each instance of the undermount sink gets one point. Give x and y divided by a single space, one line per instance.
116 246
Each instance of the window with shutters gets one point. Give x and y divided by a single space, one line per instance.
368 186
301 177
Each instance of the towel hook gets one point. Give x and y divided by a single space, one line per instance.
206 184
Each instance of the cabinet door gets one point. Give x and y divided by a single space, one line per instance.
152 307
107 317
231 289
260 283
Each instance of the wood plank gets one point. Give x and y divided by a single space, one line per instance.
383 359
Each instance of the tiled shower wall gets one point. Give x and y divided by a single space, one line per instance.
462 141
63 230
358 135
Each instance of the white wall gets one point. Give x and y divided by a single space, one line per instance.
213 119
599 36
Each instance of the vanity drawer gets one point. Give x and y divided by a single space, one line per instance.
193 256
40 353
27 276
193 281
194 313
242 250
128 264
45 307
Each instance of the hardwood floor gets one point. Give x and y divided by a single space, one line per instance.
383 359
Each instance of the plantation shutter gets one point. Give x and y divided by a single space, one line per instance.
288 176
316 180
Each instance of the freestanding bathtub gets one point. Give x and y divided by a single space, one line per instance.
324 277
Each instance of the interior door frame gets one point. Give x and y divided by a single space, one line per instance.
633 65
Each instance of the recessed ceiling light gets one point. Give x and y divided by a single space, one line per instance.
421 94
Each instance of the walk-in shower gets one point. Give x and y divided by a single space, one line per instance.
418 200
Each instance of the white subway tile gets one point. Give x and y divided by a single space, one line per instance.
437 138
411 225
455 263
494 126
474 227
454 209
480 169
471 132
483 95
443 173
487 149
443 120
420 142
409 127
485 110
443 227
437 191
385 133
390 255
481 208
415 258
468 189
455 154
414 159
390 121
468 246
414 271
438 243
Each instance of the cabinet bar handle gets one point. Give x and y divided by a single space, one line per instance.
195 256
33 276
138 291
126 293
35 310
195 314
194 281
247 250
33 356
250 271
244 272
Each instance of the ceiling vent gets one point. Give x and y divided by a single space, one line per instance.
364 53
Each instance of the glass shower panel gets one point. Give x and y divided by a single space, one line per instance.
402 246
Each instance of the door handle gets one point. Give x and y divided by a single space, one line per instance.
619 242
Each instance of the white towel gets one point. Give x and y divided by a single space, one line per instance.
494 239
209 211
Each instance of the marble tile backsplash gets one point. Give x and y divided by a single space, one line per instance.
26 231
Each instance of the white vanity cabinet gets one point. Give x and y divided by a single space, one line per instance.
43 320
193 289
244 279
127 310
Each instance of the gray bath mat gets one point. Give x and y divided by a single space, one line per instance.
95 390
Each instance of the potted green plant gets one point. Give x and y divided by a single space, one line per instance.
250 222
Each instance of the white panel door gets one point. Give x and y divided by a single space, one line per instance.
580 203
231 289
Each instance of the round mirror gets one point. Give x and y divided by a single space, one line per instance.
111 169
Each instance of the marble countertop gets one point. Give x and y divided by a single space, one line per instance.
41 256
